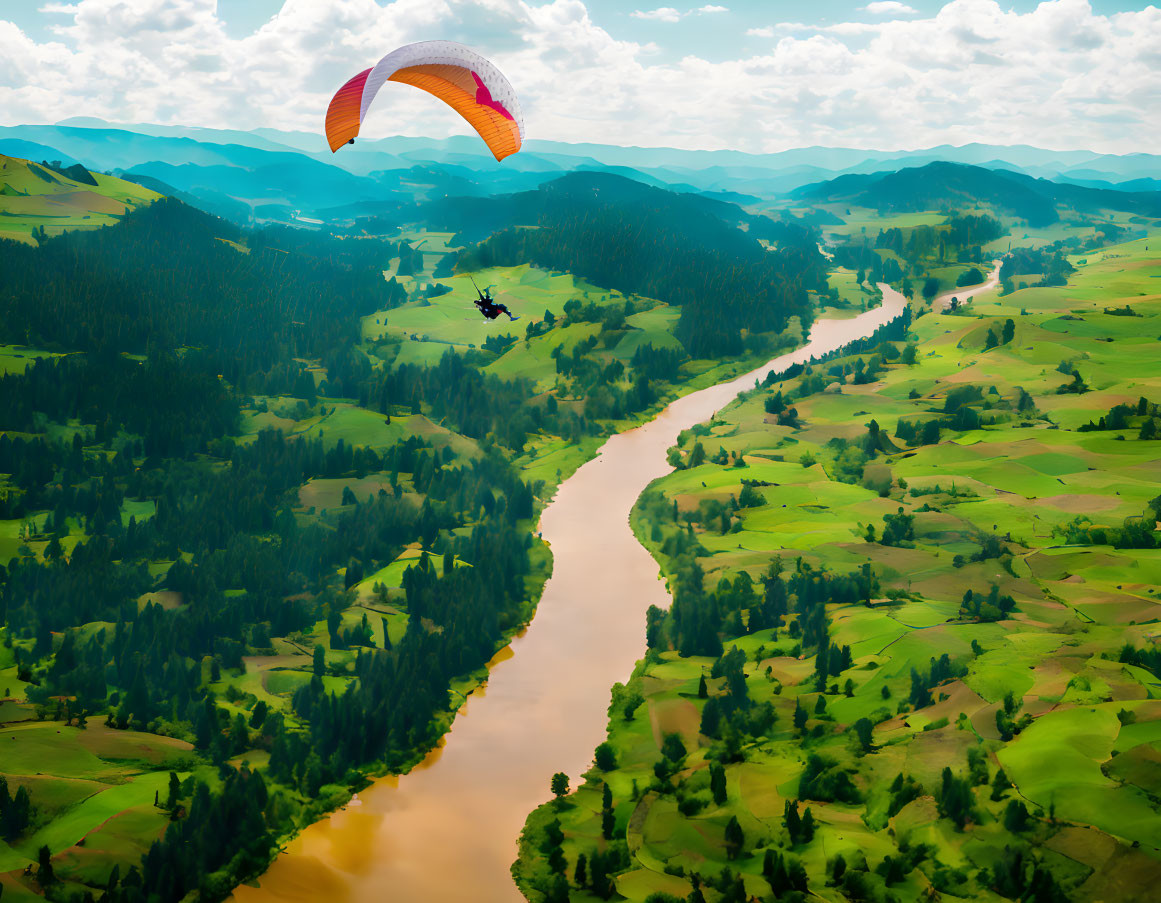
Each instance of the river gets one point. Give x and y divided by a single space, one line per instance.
448 830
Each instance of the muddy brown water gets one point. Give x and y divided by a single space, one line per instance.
448 830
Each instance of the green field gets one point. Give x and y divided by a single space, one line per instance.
1008 494
33 197
79 779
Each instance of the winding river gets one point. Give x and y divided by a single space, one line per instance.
449 829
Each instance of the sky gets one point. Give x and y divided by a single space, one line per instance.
751 75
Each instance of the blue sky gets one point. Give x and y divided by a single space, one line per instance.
733 73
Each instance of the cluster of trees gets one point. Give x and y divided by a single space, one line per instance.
965 408
1136 532
15 811
958 238
1147 657
223 835
480 405
388 713
699 618
990 607
898 530
176 404
1049 262
940 670
1006 334
1120 417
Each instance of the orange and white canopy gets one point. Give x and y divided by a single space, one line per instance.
457 75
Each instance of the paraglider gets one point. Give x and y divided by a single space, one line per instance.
489 306
457 75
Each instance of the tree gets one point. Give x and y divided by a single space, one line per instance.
930 288
807 826
1009 331
800 715
970 277
608 819
579 876
554 838
718 782
672 747
702 689
560 785
954 799
44 874
320 661
1000 786
735 838
605 757
174 792
792 820
1015 816
863 728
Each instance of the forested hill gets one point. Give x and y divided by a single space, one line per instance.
211 491
475 218
171 276
683 249
941 184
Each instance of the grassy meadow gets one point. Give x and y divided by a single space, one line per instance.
33 198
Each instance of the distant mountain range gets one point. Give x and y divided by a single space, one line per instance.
267 174
939 185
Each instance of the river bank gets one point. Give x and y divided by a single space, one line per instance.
543 707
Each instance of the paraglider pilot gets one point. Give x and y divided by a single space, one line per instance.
488 306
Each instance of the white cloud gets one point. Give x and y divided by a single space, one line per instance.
889 8
1059 75
669 14
661 14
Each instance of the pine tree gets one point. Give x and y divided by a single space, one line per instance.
734 837
792 821
718 782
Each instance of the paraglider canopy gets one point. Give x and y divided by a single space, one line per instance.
456 74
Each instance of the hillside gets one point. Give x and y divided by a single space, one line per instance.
686 250
46 201
942 185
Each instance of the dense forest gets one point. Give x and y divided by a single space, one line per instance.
172 277
170 323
